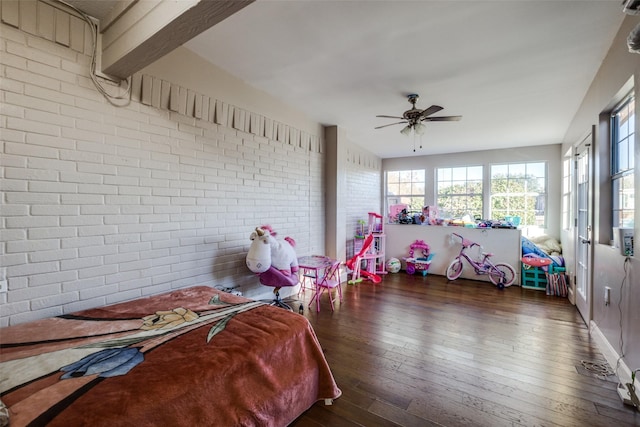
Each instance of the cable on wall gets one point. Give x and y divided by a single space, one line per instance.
627 261
116 100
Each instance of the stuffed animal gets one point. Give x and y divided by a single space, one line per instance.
266 251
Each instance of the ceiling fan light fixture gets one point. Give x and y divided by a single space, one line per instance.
414 117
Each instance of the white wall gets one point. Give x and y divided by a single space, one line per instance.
201 77
364 183
504 244
619 68
102 204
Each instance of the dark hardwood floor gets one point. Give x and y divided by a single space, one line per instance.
419 351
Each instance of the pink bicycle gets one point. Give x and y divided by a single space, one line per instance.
501 274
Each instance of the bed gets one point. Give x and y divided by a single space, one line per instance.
195 356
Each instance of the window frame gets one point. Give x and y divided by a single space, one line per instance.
417 191
540 197
466 196
622 176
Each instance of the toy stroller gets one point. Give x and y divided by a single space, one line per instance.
421 263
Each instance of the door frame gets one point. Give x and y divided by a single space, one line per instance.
584 303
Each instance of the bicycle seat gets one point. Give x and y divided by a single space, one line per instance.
487 254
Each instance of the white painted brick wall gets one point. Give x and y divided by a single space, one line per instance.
103 204
364 189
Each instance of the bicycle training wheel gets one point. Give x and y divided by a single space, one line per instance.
455 269
503 275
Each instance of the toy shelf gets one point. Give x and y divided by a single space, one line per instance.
375 256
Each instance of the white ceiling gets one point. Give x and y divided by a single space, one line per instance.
516 70
97 8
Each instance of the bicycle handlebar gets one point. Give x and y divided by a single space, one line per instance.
465 242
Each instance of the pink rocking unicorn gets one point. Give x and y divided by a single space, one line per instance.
274 261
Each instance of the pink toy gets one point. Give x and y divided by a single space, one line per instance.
266 251
375 223
532 260
420 263
354 264
430 215
274 261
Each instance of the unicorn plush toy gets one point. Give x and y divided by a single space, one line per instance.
273 260
266 251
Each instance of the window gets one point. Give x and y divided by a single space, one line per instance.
405 187
519 189
460 191
622 162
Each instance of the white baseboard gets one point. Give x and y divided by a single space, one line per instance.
611 355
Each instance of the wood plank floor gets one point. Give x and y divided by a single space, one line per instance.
421 351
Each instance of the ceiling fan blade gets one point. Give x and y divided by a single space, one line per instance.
431 110
442 119
390 124
391 117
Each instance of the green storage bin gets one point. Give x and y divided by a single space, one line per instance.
534 278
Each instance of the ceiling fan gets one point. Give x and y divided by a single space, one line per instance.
415 116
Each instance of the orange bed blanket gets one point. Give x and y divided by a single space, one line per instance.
194 356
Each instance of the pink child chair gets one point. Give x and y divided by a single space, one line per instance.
329 282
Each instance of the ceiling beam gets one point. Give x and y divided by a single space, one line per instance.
148 30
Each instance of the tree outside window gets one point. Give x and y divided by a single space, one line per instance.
519 189
406 187
460 191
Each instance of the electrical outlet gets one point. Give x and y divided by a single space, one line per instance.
4 287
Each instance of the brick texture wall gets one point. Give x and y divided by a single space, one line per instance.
102 204
364 189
